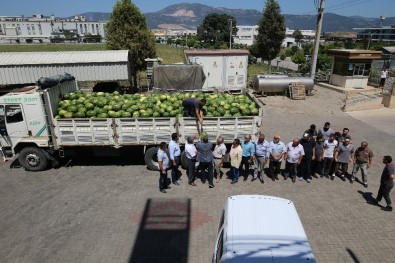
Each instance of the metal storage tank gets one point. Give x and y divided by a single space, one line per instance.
28 67
279 84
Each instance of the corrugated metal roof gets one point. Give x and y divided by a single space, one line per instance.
64 57
390 49
222 52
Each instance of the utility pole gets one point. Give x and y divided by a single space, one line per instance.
317 37
186 38
230 34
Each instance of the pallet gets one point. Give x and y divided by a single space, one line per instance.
297 91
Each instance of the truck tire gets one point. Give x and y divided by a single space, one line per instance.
32 159
151 158
184 161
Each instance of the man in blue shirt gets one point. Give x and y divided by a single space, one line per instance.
175 158
277 152
248 155
262 154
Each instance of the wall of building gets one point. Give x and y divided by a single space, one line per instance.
246 35
44 29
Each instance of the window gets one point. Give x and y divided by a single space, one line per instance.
220 246
81 31
2 117
33 30
18 29
93 29
86 30
28 30
39 29
13 113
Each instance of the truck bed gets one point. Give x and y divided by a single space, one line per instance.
118 132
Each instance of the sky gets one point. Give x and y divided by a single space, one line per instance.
65 8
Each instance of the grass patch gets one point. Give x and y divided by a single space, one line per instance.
51 47
169 54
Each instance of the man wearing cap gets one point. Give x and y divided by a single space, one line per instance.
362 159
309 156
327 156
191 152
175 158
193 107
344 154
262 154
205 158
219 155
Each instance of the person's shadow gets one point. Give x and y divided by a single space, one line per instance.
368 196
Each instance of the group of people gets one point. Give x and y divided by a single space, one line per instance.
321 152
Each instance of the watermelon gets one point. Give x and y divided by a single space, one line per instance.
115 105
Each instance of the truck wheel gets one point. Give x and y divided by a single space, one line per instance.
32 159
184 161
151 158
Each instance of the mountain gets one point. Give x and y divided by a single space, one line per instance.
191 15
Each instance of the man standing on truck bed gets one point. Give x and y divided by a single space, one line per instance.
193 108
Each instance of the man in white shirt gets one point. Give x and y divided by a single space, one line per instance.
327 156
383 77
219 155
191 152
175 158
294 154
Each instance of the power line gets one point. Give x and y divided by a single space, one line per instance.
345 4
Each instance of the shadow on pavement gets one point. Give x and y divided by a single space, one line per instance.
352 255
163 235
368 196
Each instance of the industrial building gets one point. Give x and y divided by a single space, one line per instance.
42 29
85 66
246 35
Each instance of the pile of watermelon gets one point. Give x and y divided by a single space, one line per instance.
114 105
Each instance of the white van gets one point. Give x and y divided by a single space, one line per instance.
259 228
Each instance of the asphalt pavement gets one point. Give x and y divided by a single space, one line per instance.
102 210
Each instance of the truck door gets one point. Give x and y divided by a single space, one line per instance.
5 140
15 125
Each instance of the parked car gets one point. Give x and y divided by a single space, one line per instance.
259 228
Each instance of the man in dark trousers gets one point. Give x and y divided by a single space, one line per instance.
205 158
386 183
309 156
193 108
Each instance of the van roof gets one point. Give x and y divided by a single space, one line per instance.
264 227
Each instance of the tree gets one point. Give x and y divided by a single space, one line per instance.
127 29
299 58
271 31
215 30
298 36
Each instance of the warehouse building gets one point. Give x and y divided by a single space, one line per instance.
86 66
42 29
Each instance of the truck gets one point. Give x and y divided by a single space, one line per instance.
31 133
